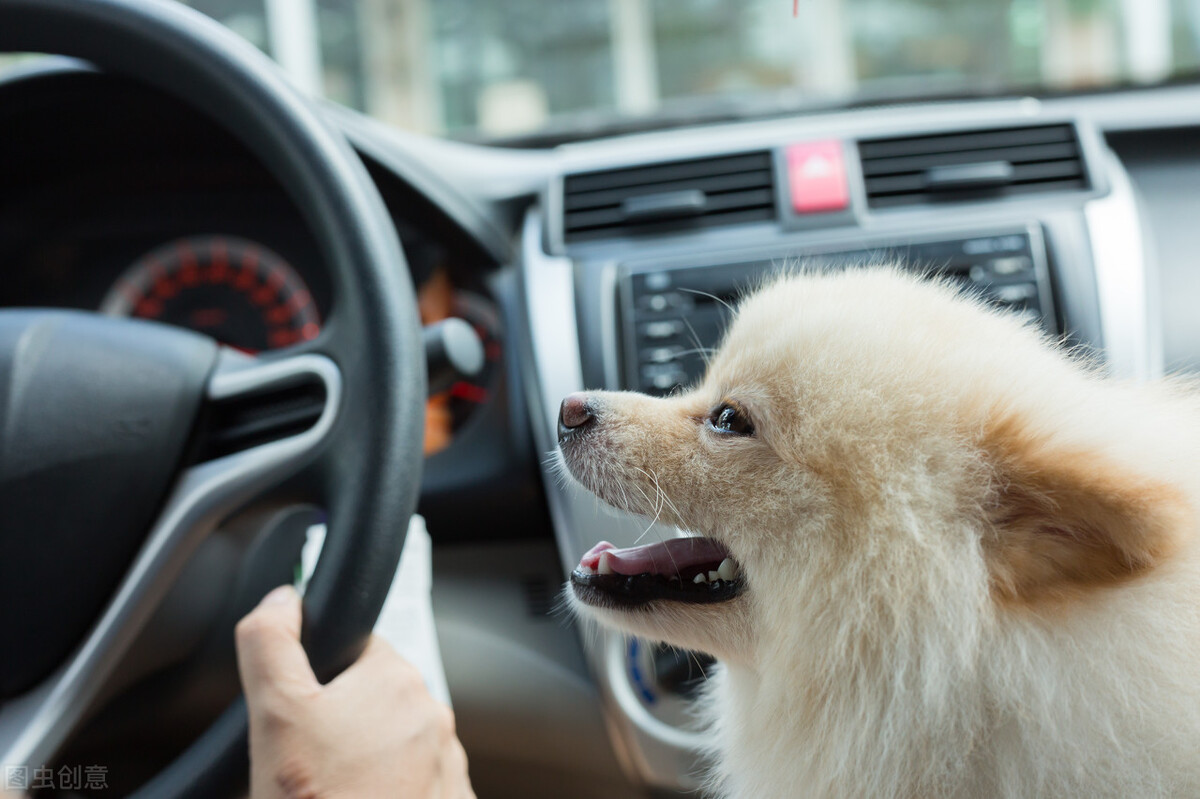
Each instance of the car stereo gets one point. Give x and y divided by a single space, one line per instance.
670 315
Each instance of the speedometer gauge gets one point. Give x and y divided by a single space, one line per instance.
235 290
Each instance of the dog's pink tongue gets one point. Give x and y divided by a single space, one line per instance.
666 558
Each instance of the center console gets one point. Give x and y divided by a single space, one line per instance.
639 247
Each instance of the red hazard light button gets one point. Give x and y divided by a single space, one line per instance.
817 175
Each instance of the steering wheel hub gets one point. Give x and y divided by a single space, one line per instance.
94 418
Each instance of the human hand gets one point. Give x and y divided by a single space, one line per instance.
373 731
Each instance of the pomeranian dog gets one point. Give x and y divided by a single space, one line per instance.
936 555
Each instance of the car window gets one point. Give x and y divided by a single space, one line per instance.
510 67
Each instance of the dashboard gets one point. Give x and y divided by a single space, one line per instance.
154 193
599 264
206 264
120 200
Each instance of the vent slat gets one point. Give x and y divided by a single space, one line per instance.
891 201
716 203
736 188
661 173
1015 155
1049 170
1043 158
709 185
735 217
956 142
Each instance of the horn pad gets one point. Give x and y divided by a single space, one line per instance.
95 416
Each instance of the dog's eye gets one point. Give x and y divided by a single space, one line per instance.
730 418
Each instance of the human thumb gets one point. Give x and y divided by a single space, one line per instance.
270 657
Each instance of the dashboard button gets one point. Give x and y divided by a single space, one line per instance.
661 354
817 177
1018 293
667 328
663 302
1012 265
662 376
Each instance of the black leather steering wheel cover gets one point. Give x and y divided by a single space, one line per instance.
370 474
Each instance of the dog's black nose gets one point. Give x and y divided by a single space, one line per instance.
575 413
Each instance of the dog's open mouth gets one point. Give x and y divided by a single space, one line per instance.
681 569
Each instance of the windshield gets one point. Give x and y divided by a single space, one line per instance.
507 68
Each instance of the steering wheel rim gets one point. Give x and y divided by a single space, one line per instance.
367 465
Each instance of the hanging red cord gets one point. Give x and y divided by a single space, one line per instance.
795 8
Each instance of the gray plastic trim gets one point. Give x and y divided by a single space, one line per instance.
550 301
650 750
609 328
1126 280
34 725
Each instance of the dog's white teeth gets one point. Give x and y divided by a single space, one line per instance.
585 569
605 566
728 570
699 578
713 577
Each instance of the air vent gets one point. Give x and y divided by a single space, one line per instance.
676 195
975 165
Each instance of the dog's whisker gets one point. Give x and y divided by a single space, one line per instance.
652 503
663 494
699 666
664 499
711 296
695 350
705 356
656 503
667 499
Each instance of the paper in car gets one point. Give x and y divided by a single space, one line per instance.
406 621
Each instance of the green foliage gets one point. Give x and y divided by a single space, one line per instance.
1086 8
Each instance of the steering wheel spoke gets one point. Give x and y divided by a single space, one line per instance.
262 420
258 407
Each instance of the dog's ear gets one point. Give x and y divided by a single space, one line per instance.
1064 520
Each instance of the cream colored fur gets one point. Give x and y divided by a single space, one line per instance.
875 651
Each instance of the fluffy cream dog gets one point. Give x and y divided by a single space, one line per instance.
939 556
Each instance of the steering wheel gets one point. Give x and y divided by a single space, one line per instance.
143 437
